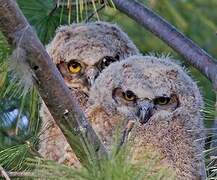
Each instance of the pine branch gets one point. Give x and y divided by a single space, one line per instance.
194 55
73 3
48 80
10 175
3 173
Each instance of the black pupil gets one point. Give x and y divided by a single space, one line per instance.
163 100
129 94
74 64
108 60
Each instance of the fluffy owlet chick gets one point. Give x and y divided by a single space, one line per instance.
163 102
81 52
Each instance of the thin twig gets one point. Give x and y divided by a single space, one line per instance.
95 12
16 174
73 3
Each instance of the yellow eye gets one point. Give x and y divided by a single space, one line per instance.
162 100
129 96
74 67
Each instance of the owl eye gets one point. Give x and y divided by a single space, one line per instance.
129 96
162 100
106 61
74 67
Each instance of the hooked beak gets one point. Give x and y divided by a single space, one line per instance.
92 74
145 111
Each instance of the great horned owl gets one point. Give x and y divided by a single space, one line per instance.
163 103
81 52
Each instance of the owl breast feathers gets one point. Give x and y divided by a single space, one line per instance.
161 101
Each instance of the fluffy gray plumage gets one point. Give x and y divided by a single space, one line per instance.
81 52
90 45
163 103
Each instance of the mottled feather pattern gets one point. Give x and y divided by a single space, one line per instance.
119 94
87 43
172 133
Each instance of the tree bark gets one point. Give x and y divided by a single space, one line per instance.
48 80
194 55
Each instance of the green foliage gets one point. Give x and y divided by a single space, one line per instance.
13 158
45 16
195 18
118 166
15 108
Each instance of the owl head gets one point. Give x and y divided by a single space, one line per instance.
82 51
145 88
159 106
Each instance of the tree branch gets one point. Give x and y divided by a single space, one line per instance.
4 174
16 175
194 55
49 82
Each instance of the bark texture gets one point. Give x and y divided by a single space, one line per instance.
48 80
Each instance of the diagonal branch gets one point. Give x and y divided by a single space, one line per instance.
15 175
48 80
194 55
95 12
4 174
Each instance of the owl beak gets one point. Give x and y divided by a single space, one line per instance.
91 74
145 111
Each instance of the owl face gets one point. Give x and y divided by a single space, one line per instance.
143 108
157 104
80 75
82 51
144 88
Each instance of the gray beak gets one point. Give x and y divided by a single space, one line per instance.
91 74
145 110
